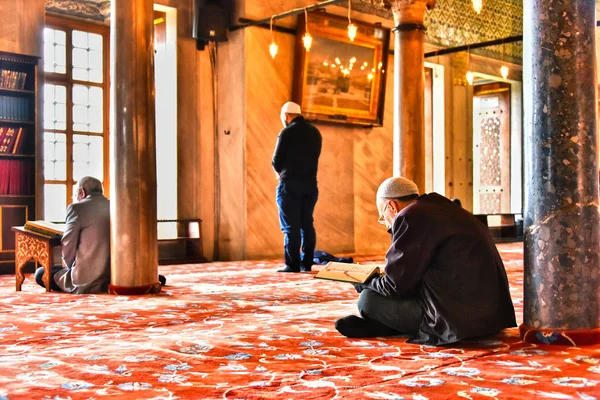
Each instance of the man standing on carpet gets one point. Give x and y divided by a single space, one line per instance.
444 279
295 161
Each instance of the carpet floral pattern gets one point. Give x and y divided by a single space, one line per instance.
241 331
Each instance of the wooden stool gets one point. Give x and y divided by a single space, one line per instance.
31 245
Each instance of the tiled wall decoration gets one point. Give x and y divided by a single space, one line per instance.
97 10
455 23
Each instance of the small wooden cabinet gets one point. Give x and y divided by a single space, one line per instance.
18 110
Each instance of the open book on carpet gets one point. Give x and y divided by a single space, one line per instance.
355 273
45 228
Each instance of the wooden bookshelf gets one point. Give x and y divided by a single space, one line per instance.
16 122
18 113
32 156
21 91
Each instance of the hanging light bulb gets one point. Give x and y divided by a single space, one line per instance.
273 48
477 5
470 77
503 68
352 29
307 39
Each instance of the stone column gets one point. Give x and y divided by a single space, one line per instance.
562 239
409 88
134 251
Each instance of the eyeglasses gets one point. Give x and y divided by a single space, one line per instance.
381 219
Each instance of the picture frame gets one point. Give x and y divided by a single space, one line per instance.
340 80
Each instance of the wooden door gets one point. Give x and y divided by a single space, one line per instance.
491 148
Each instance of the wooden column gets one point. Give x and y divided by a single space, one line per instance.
562 236
134 251
409 87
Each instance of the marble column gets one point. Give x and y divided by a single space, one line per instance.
562 239
409 89
134 252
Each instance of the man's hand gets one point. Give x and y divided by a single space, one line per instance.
359 287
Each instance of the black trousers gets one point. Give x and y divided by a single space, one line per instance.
401 316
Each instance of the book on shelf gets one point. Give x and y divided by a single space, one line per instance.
11 140
3 130
45 228
17 141
12 79
17 177
15 108
346 272
7 143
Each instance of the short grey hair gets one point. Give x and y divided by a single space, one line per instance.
90 185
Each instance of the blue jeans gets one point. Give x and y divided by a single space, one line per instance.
39 277
296 202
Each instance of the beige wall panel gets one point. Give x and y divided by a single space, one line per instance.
231 118
268 85
21 26
449 127
205 154
462 145
188 199
373 159
334 213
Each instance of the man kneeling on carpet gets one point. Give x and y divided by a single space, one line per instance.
85 244
444 280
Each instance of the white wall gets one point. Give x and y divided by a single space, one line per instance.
165 81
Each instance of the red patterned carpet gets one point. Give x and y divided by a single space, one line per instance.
242 331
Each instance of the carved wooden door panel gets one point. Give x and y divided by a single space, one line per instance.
491 149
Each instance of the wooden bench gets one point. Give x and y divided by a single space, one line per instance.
180 241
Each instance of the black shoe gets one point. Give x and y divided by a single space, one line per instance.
288 269
356 327
162 280
305 269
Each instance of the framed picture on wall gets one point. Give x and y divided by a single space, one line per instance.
340 80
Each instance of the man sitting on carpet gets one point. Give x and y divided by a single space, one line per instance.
85 243
444 279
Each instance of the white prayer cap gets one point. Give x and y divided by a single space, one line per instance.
291 108
396 187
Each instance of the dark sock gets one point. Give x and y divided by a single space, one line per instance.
357 327
162 280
